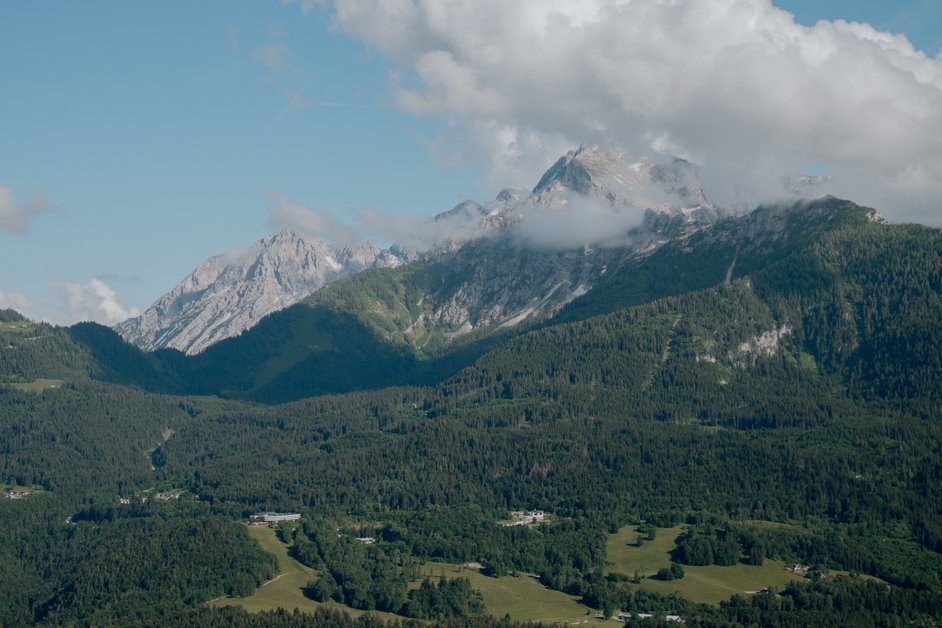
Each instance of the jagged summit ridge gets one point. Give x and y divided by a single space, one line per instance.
532 252
229 293
644 194
664 186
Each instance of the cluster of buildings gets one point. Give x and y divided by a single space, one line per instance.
526 518
626 617
164 496
16 493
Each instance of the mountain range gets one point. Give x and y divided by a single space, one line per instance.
591 209
767 380
229 293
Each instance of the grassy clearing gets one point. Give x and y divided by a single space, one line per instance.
624 557
713 584
17 327
32 489
38 386
521 597
710 584
287 589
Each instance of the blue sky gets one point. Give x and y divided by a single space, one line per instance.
919 20
141 138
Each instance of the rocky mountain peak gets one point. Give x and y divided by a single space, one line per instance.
581 170
653 199
510 195
671 187
229 293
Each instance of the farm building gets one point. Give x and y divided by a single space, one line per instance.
526 518
275 517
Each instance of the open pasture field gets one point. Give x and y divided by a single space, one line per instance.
17 327
710 584
522 597
37 386
287 589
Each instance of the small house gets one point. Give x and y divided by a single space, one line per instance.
276 517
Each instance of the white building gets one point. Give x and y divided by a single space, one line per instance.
275 517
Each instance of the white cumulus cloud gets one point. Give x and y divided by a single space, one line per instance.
736 86
92 301
16 301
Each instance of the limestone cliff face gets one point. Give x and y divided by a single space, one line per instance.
229 293
526 255
521 256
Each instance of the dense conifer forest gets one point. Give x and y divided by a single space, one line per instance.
801 389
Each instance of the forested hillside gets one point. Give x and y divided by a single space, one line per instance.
770 383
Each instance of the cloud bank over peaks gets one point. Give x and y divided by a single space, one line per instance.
736 86
404 231
589 196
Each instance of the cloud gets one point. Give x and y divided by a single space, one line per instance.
117 277
92 301
736 86
18 217
413 232
274 56
318 224
306 5
16 301
573 221
583 221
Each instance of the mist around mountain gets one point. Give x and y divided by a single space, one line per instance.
590 197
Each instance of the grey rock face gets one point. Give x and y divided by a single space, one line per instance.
229 293
513 267
622 196
665 187
521 256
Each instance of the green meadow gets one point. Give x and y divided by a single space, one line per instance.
17 327
287 589
37 386
522 597
710 584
